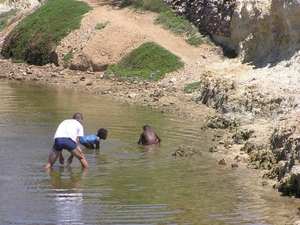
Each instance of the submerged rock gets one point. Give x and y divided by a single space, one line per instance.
183 151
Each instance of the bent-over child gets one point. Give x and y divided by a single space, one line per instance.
93 141
149 137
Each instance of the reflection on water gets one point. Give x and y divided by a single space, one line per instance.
67 194
126 183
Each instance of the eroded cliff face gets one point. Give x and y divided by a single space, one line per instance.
263 32
6 5
266 31
264 35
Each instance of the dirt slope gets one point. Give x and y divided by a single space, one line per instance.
127 30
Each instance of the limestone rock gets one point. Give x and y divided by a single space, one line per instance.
262 32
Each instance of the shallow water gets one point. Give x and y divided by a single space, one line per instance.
125 184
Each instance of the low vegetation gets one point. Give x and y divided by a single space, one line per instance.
177 24
35 36
67 58
100 26
156 6
191 86
5 18
147 62
168 19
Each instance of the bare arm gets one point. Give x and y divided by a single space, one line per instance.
88 145
140 140
97 144
158 138
70 159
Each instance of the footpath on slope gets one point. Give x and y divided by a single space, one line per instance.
127 30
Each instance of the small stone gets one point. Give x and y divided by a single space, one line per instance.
173 80
222 162
132 95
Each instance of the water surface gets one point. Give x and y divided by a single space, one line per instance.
125 184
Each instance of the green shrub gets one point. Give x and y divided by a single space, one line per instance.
192 86
67 58
100 26
195 40
35 36
177 24
149 61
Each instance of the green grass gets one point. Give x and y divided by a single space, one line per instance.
4 18
67 58
147 62
35 36
177 24
157 6
191 86
195 40
100 26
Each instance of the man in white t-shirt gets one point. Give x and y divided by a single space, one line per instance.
67 137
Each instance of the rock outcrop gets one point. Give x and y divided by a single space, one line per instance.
266 34
6 5
262 32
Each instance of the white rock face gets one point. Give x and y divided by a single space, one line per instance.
264 31
6 5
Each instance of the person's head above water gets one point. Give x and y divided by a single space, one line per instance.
78 117
146 127
102 133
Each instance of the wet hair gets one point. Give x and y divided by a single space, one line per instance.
102 133
77 116
146 127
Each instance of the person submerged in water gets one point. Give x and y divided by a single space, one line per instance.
149 137
93 141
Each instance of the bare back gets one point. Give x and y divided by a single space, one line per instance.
149 137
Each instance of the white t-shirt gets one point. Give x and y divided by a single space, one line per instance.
70 128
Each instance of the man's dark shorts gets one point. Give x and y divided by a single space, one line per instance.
64 143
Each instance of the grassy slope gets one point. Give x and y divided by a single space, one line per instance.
35 36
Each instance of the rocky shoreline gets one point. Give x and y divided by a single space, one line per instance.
259 142
239 141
